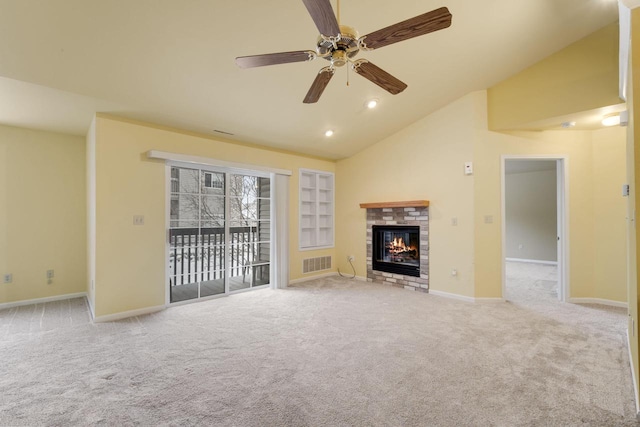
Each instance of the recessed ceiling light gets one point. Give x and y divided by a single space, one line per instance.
328 133
372 103
611 120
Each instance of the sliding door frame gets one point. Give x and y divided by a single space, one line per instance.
228 171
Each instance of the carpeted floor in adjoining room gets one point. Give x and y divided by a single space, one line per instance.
328 352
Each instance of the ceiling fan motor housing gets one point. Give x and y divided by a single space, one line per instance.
345 48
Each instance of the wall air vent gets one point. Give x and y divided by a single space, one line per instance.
310 265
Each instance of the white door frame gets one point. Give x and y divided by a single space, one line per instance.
562 195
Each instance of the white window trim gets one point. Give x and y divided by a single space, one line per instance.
206 161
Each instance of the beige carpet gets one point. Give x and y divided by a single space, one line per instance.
329 352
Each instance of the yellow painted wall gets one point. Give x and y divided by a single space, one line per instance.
130 260
42 213
581 77
597 236
610 211
429 156
423 161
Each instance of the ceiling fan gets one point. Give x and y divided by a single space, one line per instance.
339 44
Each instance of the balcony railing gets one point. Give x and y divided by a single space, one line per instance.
198 254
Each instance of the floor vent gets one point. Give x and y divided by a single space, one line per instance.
310 265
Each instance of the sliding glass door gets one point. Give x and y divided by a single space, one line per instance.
219 232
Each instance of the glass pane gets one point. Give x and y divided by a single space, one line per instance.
243 209
183 224
185 207
240 260
212 287
262 252
244 191
184 180
212 211
183 292
182 283
263 231
264 187
240 225
264 209
211 260
260 275
243 186
240 255
213 183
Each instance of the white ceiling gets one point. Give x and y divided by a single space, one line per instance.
171 62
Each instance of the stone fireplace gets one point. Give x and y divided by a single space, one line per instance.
398 244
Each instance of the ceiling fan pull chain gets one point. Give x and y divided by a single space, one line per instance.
347 71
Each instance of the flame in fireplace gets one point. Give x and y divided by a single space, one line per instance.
397 246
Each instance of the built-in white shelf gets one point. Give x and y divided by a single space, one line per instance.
316 209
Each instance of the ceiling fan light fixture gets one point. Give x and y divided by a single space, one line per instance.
328 133
372 103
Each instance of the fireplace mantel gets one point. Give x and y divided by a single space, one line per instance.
408 204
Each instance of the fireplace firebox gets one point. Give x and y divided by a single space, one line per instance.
396 249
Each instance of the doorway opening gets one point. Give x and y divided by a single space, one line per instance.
534 228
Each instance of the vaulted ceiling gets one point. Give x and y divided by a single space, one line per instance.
171 62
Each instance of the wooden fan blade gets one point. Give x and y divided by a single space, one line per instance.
319 84
429 22
322 14
378 76
274 58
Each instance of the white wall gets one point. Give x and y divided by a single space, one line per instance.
531 214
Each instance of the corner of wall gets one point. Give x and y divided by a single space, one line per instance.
91 214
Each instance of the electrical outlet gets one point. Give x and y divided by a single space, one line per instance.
454 272
49 274
138 220
350 258
7 278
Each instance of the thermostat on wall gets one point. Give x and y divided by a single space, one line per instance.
468 168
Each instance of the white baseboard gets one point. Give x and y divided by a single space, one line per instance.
350 276
317 276
452 296
532 261
320 276
463 297
489 299
598 301
42 300
633 376
126 314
